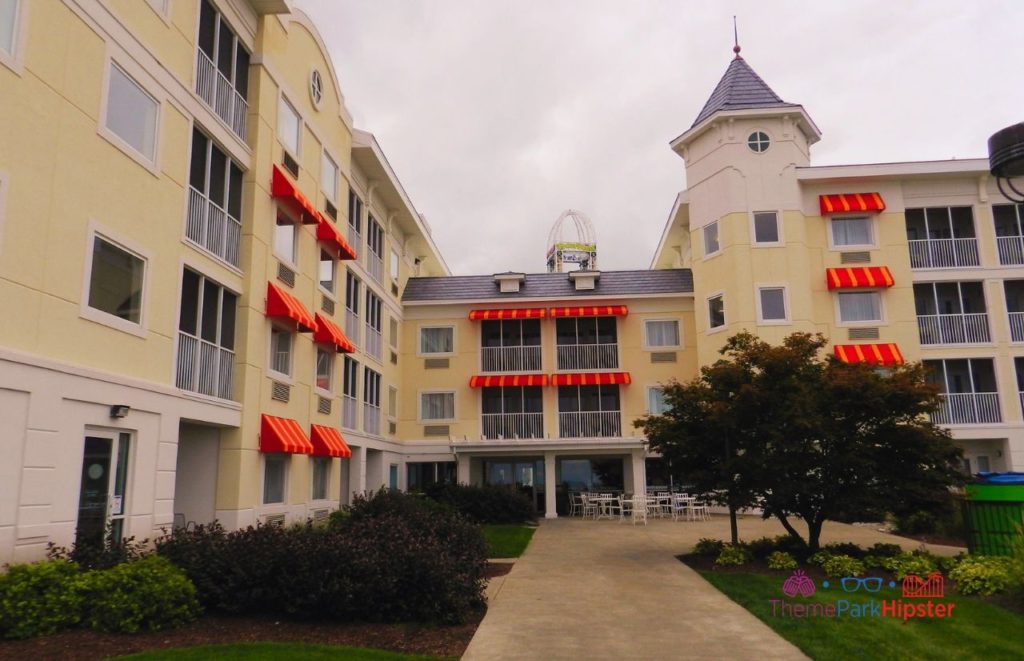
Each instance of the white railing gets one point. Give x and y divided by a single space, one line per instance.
218 93
1017 326
355 240
590 424
374 342
371 418
943 253
968 408
212 227
953 328
513 425
352 327
375 266
510 359
1011 250
205 368
588 356
349 412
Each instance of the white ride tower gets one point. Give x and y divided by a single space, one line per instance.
565 250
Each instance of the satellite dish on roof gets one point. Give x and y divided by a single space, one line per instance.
572 244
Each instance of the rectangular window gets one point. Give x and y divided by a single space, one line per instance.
374 311
281 350
285 239
716 311
656 404
289 127
215 175
352 293
851 232
321 477
207 313
766 227
395 265
329 177
275 467
375 237
324 369
131 113
772 302
437 339
437 406
371 387
350 380
855 306
662 333
355 214
328 267
115 281
711 239
8 24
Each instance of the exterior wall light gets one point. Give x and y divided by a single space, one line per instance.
119 410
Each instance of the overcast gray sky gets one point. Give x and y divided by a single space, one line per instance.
499 115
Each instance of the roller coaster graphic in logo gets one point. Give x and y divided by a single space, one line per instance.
914 587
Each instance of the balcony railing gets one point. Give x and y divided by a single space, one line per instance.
349 412
943 253
969 408
375 266
374 342
218 93
513 425
371 419
204 367
953 328
511 359
1011 250
588 356
1017 326
590 424
352 327
355 239
212 227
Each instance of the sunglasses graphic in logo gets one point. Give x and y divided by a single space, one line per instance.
916 587
854 583
798 584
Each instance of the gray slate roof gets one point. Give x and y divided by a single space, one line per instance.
740 88
549 285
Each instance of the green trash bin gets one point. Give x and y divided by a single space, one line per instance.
994 513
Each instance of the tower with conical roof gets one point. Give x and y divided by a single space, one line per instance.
743 207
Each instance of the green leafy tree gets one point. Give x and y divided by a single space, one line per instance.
814 438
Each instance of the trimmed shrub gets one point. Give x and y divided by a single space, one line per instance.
781 560
845 548
819 558
842 565
144 595
100 552
484 504
732 556
884 550
983 575
874 562
794 546
708 547
761 548
40 599
910 563
948 563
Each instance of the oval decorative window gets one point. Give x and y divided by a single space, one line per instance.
758 141
316 87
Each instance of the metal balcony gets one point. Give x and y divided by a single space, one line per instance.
590 424
1011 250
587 356
511 359
968 409
212 227
512 425
218 93
953 328
943 253
204 367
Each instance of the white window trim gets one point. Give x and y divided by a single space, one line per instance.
163 14
15 60
280 376
107 134
761 321
263 482
329 393
883 321
707 312
661 347
419 406
392 416
293 259
85 311
704 243
398 263
337 264
419 340
324 153
872 224
754 243
330 470
283 98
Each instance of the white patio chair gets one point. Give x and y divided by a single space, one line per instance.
575 504
680 506
589 506
700 511
639 510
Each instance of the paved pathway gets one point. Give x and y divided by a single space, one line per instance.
604 590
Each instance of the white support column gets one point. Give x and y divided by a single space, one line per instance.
550 511
462 469
357 472
639 471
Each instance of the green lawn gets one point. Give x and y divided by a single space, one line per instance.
976 630
507 540
276 651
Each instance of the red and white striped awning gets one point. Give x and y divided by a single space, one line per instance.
508 313
873 354
508 380
283 435
859 277
328 442
847 202
283 305
591 379
328 332
593 311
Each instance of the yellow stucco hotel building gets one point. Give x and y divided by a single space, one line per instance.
220 303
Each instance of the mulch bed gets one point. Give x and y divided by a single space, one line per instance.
84 645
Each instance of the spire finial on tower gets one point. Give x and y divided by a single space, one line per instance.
736 39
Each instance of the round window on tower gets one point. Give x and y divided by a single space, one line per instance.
316 88
758 141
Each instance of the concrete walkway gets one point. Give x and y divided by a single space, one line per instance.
604 590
